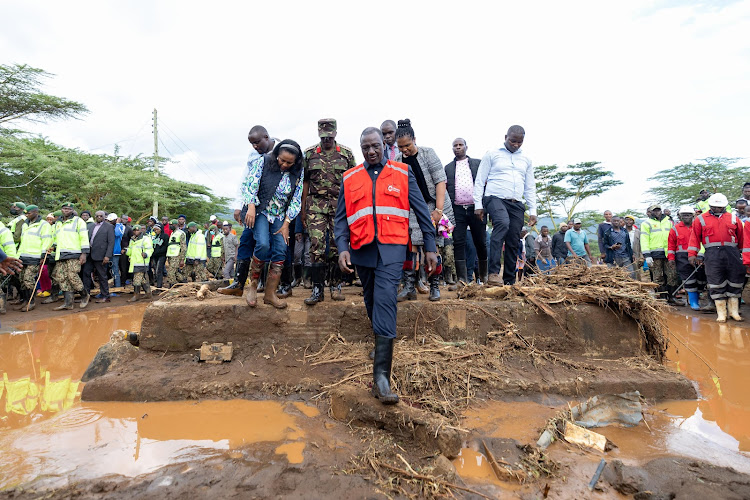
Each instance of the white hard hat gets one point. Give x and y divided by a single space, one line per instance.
686 209
718 200
213 217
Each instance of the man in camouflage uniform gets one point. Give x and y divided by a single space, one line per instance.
325 164
176 263
71 250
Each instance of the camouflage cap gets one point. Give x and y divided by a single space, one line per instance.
327 127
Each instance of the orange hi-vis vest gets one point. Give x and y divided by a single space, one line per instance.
381 210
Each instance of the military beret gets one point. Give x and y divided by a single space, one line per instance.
68 204
20 205
192 224
85 212
173 221
57 213
212 226
326 127
31 207
136 226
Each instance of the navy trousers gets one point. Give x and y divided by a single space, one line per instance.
380 287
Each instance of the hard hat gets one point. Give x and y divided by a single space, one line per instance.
686 209
718 200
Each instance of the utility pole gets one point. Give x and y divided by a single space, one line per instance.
156 166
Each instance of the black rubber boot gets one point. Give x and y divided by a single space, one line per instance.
408 292
318 272
285 285
136 294
671 299
52 295
482 278
84 299
307 277
381 371
147 290
335 281
421 281
434 287
462 273
297 275
240 277
263 277
68 304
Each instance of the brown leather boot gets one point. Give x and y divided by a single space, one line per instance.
274 277
251 290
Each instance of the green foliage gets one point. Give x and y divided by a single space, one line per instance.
681 184
47 175
561 191
21 97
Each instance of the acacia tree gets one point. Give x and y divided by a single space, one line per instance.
560 192
682 184
21 97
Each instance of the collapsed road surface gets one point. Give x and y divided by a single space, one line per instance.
291 415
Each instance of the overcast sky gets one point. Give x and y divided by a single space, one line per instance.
639 86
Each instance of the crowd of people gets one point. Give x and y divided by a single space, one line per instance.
67 253
400 223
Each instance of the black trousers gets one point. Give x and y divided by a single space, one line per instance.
101 273
507 222
465 218
724 272
124 267
697 282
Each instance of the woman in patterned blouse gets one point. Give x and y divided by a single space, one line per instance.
273 193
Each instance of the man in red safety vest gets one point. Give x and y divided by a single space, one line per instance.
721 234
694 278
372 232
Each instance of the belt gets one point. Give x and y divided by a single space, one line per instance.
512 200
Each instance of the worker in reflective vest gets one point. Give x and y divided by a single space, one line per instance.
372 232
176 251
721 234
36 238
139 253
195 258
654 238
8 249
72 248
693 277
214 260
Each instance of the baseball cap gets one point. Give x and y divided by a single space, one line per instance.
326 127
112 216
654 207
213 217
577 221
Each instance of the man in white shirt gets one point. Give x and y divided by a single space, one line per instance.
504 181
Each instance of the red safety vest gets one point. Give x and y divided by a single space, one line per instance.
713 231
388 215
679 239
746 248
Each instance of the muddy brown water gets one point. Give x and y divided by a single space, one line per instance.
47 433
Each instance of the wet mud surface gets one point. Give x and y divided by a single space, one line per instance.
253 428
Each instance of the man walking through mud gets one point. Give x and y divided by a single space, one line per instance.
372 232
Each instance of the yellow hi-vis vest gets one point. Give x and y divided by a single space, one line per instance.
72 239
6 242
216 245
14 223
196 248
21 396
173 247
36 238
136 250
655 237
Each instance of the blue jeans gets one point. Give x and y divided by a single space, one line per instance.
247 241
269 247
116 269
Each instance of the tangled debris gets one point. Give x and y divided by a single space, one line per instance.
575 283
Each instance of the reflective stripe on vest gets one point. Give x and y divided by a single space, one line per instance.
70 237
197 246
216 246
387 215
34 240
173 247
6 241
708 243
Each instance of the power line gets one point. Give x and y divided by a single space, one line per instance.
173 133
173 155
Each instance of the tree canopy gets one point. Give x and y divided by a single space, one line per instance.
682 184
35 170
21 97
561 191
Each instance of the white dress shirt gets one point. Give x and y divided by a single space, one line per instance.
506 175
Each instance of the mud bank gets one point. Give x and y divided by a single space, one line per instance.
594 351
